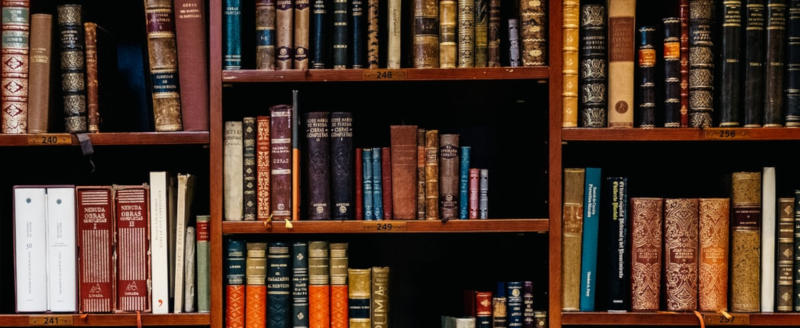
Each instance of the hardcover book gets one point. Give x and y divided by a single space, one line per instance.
95 242
701 63
339 294
189 286
30 249
591 223
203 267
377 184
572 231
448 174
162 50
373 49
792 88
379 309
432 175
499 306
768 226
731 64
528 314
796 268
754 63
281 162
235 284
426 34
647 72
342 165
317 170
359 293
279 286
514 296
233 186
133 244
256 290
301 24
319 41
161 211
404 171
250 198
774 62
232 47
463 183
359 184
386 182
319 291
617 241
394 33
190 30
447 34
483 309
672 72
466 33
785 256
746 241
421 158
90 34
570 42
16 31
73 69
284 23
340 34
357 33
61 259
680 249
483 198
481 32
265 34
39 74
713 260
533 32
300 284
493 34
184 206
369 211
621 24
646 218
474 192
513 43
684 17
593 64
263 172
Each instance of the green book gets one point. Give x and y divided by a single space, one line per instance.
202 253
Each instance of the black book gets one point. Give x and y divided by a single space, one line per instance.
319 31
249 167
793 66
340 33
672 72
342 165
647 77
593 71
357 33
773 89
318 150
754 63
300 284
618 249
730 64
701 63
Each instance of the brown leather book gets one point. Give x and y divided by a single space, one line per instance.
426 34
646 218
161 47
420 174
285 25
494 33
281 161
572 231
481 22
746 242
533 32
404 171
90 30
448 176
190 31
262 167
466 33
713 263
785 265
621 24
16 30
432 175
569 51
256 290
386 180
301 17
265 34
39 100
447 34
680 253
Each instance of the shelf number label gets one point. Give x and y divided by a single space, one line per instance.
716 319
50 320
725 134
384 74
49 139
385 226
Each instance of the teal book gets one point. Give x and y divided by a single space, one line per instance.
367 181
377 189
463 186
591 219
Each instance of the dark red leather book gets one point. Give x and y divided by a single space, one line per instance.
359 185
190 32
474 192
403 172
386 170
684 16
133 261
95 241
281 161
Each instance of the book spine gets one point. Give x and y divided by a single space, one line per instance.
377 184
593 76
379 309
533 17
483 201
96 242
768 226
569 54
30 250
61 259
647 72
342 165
746 240
301 20
233 166
474 192
483 309
466 33
190 22
300 285
481 32
619 268
16 31
340 34
250 198
373 29
183 201
730 64
571 241
319 293
281 161
73 69
514 312
774 62
754 63
448 175
339 294
713 260
369 213
394 22
403 172
591 223
621 24
203 267
792 89
39 100
359 292
232 55
672 72
432 175
386 180
161 45
447 33
701 63
680 249
235 279
499 307
262 167
131 250
684 17
784 264
426 34
90 36
256 290
279 285
493 34
295 171
528 314
513 43
421 174
318 146
159 246
357 33
188 267
796 264
265 34
359 185
319 27
646 218
463 184
284 21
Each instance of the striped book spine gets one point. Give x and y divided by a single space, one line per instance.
265 34
255 290
284 24
72 68
133 268
235 287
369 213
672 72
359 290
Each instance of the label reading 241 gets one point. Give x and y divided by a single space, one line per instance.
49 139
50 320
385 226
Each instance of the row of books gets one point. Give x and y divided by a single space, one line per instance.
681 244
446 34
748 77
511 305
26 71
302 284
95 249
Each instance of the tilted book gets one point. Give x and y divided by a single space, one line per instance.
92 101
377 184
263 168
184 211
746 242
61 259
318 168
386 182
359 291
404 171
265 34
373 48
190 282
569 53
792 87
341 34
774 64
672 72
190 30
533 32
768 203
203 267
73 69
432 175
463 183
357 33
466 33
342 192
754 68
621 38
591 223
514 296
279 285
394 34
647 72
448 176
232 30
235 284
572 231
618 244
16 32
281 161
233 183
249 197
593 65
300 284
284 23
701 63
30 249
39 74
713 260
339 294
646 218
301 20
447 34
680 253
96 241
785 256
319 289
379 309
162 50
256 290
426 34
481 32
731 58
159 241
133 244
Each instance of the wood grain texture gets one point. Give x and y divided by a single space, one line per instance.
113 320
681 134
666 319
416 226
115 138
554 165
215 164
428 74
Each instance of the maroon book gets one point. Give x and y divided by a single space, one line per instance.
96 277
281 159
359 185
133 262
190 32
474 192
386 171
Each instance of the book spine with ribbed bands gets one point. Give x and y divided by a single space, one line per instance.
234 279
796 268
318 285
386 183
572 222
513 42
730 64
618 243
279 285
265 34
373 47
262 168
466 33
394 34
319 34
284 27
301 22
745 255
318 168
359 292
569 52
133 245
421 155
533 32
784 269
342 165
593 72
249 133
40 56
463 184
713 259
621 56
672 72
300 285
426 34
339 295
379 309
774 63
647 77
493 34
377 184
792 88
162 47
256 290
281 162
432 175
447 34
73 68
232 48
341 34
448 176
701 63
684 17
357 33
646 254
481 32
369 210
93 107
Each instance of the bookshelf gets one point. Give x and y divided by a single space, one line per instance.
107 139
391 227
103 320
402 74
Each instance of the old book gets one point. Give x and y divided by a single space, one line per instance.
96 241
483 309
569 54
672 72
528 314
377 184
281 162
481 32
379 309
341 132
39 74
572 231
394 34
232 47
421 173
483 197
514 303
133 260
426 34
160 214
754 68
447 34
448 176
404 171
357 33
533 32
680 253
295 167
318 168
359 185
617 241
746 242
647 72
701 63
341 34
284 25
161 46
184 211
513 43
432 175
203 267
731 64
265 34
646 218
301 24
319 289
369 210
621 24
591 223
30 249
713 260
493 34
784 264
339 294
373 30
593 64
233 174
279 285
386 183
792 87
60 240
469 302
359 293
768 203
249 191
16 31
92 101
190 30
190 287
474 192
73 69
466 33
256 290
463 183
235 283
684 17
262 168
299 284
499 306
796 268
774 62
319 34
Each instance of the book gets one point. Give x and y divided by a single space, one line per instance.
92 100
263 172
30 249
281 162
60 241
318 168
235 284
132 246
463 183
672 72
373 48
377 184
394 34
421 159
483 201
432 175
249 191
190 30
16 32
233 187
447 34
369 211
265 34
774 63
474 192
513 43
569 56
528 314
768 240
745 242
533 32
96 274
680 247
184 211
617 241
701 63
404 173
379 309
300 284
319 41
284 25
357 33
713 260
466 33
646 223
499 306
39 73
160 212
203 268
161 46
359 184
481 32
454 322
341 34
256 290
593 64
319 291
339 294
792 88
341 134
730 64
359 293
279 285
72 66
190 283
448 176
301 38
785 256
754 69
386 182
232 47
796 268
591 223
172 223
514 302
483 309
295 171
493 34
426 34
621 24
572 232
684 17
647 72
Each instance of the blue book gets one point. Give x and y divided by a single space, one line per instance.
279 285
366 159
319 28
591 201
463 187
377 189
235 262
514 303
233 31
300 284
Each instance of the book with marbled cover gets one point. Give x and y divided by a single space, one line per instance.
646 219
93 107
373 48
713 260
593 72
745 255
426 33
163 54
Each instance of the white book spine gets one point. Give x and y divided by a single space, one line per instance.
233 183
768 240
159 243
61 259
189 274
184 205
30 249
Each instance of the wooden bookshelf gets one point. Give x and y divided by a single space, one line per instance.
680 134
104 320
386 226
677 319
107 139
376 75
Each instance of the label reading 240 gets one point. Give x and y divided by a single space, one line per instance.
49 139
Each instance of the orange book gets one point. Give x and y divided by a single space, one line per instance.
256 306
234 312
339 318
319 306
319 288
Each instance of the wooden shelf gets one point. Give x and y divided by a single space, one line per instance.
388 226
104 320
675 319
680 134
108 139
403 74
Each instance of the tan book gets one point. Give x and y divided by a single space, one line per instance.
92 102
571 233
569 30
394 22
621 25
379 309
162 50
746 244
301 21
360 293
713 262
233 184
426 38
447 34
466 33
421 174
432 175
39 100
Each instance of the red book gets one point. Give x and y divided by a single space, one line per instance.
469 303
483 307
262 167
133 262
16 25
281 162
386 170
190 31
95 242
234 310
359 185
474 192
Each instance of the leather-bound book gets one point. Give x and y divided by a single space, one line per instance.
713 260
572 231
203 253
249 192
72 66
394 21
493 34
432 175
499 306
279 282
319 291
785 261
746 242
680 253
386 182
373 29
39 74
319 34
190 31
684 17
284 24
281 161
404 171
256 289
647 72
357 33
339 294
731 64
296 126
233 187
672 72
447 34
528 313
379 309
359 185
420 174
483 198
262 168
301 20
593 64
513 42
463 183
701 63
533 32
514 297
768 241
774 63
796 269
483 309
426 34
300 284
341 34
474 190
132 249
162 50
754 63
235 284
448 176
90 33
646 218
617 241
481 32
792 87
466 33
342 165
16 30
265 34
359 292
377 184
318 168
232 48
96 243
569 51
369 210
621 24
